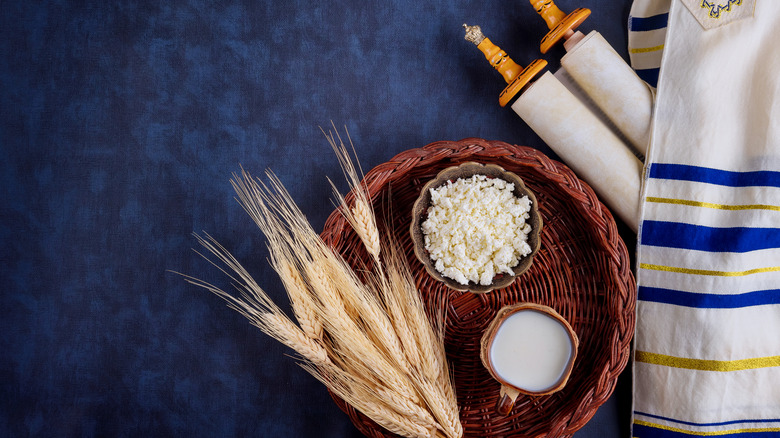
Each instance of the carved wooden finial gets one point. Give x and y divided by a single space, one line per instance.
514 74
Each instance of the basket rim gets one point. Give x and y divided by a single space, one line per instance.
598 216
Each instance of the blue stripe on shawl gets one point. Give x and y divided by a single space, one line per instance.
684 172
642 24
708 301
710 239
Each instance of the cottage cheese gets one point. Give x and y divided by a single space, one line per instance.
476 228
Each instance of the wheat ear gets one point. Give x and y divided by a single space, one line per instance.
283 330
253 299
397 310
406 407
446 414
375 320
423 344
395 422
365 226
259 309
361 216
300 298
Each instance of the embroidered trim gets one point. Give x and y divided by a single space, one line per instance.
715 10
715 13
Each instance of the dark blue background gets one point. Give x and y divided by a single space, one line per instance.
120 125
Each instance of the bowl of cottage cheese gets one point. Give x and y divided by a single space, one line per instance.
476 227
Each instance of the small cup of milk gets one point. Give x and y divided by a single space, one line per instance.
529 349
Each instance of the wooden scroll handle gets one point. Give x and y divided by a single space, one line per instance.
561 25
549 12
513 73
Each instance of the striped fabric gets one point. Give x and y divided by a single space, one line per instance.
707 346
707 359
646 34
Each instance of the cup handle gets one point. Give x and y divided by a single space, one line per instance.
506 400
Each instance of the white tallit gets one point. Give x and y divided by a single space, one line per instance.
707 346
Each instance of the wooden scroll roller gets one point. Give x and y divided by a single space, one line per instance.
515 75
570 128
601 73
561 25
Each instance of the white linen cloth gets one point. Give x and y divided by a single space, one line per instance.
707 346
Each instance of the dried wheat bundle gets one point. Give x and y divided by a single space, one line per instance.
367 338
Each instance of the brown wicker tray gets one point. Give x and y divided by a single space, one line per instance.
581 270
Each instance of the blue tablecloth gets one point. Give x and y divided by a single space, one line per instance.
120 125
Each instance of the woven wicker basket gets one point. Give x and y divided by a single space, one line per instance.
581 270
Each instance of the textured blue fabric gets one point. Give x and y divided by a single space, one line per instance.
120 125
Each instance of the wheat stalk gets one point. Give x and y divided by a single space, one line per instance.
360 217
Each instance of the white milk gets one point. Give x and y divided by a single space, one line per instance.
530 350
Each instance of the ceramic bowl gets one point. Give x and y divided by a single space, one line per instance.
466 170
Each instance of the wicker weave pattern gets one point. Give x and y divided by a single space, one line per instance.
582 271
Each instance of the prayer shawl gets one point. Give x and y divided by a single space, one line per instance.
707 345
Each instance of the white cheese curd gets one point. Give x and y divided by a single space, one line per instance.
476 228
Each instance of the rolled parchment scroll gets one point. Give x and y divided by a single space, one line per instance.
612 85
587 145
